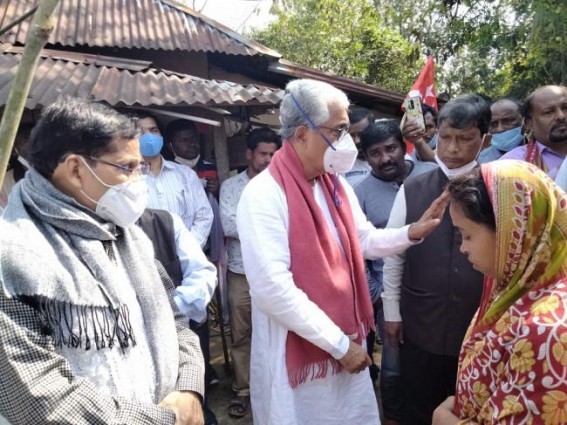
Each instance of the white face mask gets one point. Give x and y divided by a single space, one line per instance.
451 173
340 155
191 163
123 203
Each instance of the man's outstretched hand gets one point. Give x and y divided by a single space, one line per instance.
430 219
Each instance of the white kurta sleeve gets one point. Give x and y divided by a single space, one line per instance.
394 265
377 243
199 274
262 220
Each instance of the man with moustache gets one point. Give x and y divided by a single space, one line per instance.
545 114
431 292
261 144
505 128
383 145
184 144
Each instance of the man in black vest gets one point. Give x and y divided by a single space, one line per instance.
432 289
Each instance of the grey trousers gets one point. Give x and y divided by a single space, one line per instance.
241 331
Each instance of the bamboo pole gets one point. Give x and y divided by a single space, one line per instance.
37 36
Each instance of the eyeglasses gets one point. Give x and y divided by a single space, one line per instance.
337 133
142 168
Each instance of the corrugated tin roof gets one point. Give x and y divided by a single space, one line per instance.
298 71
145 24
123 82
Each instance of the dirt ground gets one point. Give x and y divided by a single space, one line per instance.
220 394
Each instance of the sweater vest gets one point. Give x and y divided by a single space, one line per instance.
440 290
158 226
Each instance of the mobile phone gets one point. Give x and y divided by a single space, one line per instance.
414 112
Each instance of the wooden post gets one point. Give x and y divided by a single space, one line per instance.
37 36
221 151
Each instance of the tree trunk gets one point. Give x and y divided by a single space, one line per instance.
37 36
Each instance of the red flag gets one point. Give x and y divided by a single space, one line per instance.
424 86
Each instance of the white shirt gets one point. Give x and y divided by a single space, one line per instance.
230 193
561 177
177 189
279 306
199 274
394 264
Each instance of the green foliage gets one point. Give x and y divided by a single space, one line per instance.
465 37
540 56
348 39
492 47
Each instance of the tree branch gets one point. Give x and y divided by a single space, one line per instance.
17 21
37 36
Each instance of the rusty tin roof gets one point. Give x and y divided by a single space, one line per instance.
144 24
123 82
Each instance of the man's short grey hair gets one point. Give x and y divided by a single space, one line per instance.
314 97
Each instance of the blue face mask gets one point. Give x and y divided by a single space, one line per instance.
150 144
507 140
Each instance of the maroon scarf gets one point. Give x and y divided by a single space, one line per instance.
336 282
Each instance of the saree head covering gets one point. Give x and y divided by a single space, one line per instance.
332 279
531 229
513 361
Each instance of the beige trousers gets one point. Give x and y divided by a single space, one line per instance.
241 331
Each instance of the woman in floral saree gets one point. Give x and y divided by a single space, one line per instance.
513 362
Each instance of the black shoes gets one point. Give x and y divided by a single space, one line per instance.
210 418
374 372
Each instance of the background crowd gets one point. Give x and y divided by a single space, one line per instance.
338 235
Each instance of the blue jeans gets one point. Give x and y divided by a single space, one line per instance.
390 377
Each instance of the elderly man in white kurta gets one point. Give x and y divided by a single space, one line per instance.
303 239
